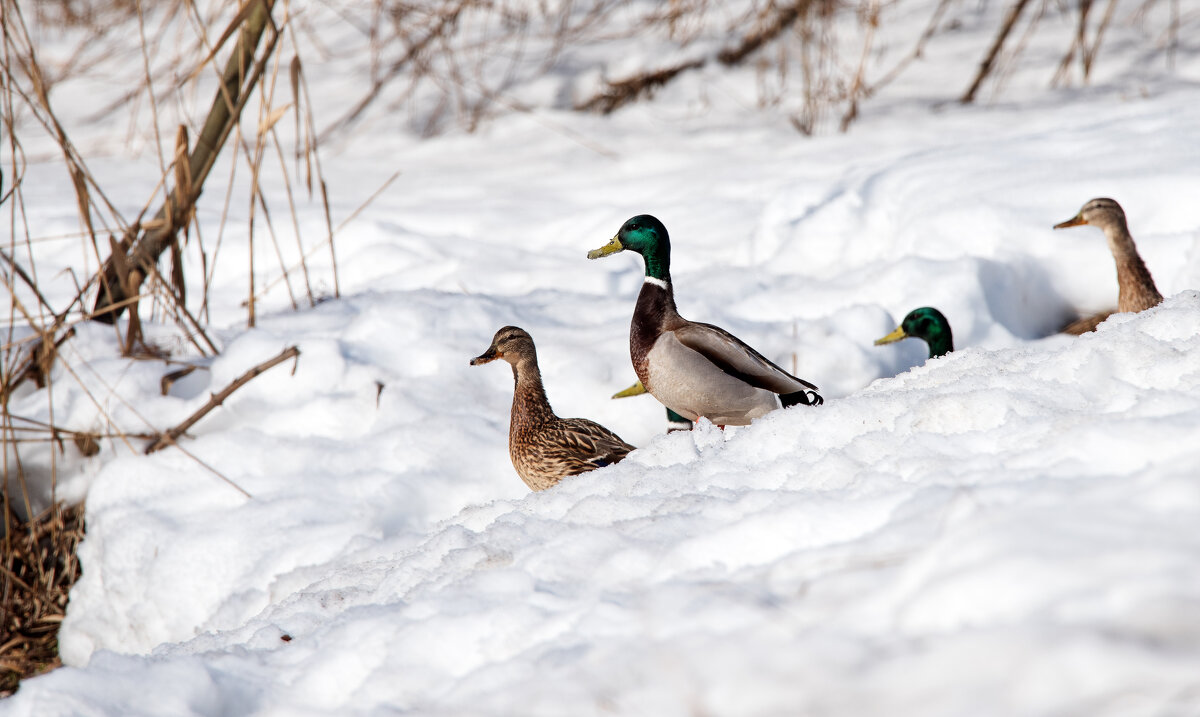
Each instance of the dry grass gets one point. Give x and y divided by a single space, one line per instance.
442 63
119 278
39 568
454 62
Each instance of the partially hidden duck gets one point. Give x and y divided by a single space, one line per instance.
695 369
543 447
675 422
927 324
1135 287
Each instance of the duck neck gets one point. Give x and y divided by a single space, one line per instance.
658 262
530 406
655 312
1136 289
940 341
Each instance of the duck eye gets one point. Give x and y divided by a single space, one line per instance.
634 227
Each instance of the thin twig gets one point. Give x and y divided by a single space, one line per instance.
985 68
168 437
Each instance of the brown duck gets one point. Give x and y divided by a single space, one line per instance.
545 448
1136 289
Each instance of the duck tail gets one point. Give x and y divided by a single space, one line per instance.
803 398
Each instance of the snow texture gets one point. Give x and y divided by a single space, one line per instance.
1007 530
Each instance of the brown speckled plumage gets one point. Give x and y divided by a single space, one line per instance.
543 447
1135 287
1086 324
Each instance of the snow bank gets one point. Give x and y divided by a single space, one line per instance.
1009 529
994 532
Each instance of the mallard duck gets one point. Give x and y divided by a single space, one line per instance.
1136 290
927 324
543 447
692 368
675 422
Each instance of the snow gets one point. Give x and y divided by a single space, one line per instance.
1009 529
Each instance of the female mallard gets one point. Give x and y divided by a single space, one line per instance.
1136 289
692 368
675 422
927 324
545 448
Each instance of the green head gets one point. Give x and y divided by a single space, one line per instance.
928 324
647 236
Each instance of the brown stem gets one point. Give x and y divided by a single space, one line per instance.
231 96
990 60
168 438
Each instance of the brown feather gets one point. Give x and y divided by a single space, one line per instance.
1135 287
1086 324
543 447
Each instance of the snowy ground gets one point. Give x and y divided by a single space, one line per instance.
1010 529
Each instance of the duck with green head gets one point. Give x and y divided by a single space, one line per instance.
927 324
692 368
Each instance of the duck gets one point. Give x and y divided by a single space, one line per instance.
543 447
1135 287
675 422
692 368
927 324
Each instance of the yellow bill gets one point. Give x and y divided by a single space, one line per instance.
893 337
612 247
636 389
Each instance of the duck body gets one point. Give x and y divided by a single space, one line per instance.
1086 324
692 368
1136 290
544 448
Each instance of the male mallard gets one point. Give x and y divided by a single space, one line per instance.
675 422
1136 289
927 324
692 368
545 448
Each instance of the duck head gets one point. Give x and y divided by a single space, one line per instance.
647 236
1100 212
511 343
927 324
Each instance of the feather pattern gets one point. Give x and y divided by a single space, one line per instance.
543 447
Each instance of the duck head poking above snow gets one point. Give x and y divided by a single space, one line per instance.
1136 289
695 369
927 324
543 447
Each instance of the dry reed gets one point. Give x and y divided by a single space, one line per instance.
39 567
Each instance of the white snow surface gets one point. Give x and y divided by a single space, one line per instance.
1011 529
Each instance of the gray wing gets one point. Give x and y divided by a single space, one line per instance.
737 359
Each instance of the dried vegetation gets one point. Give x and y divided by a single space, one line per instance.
39 568
219 78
